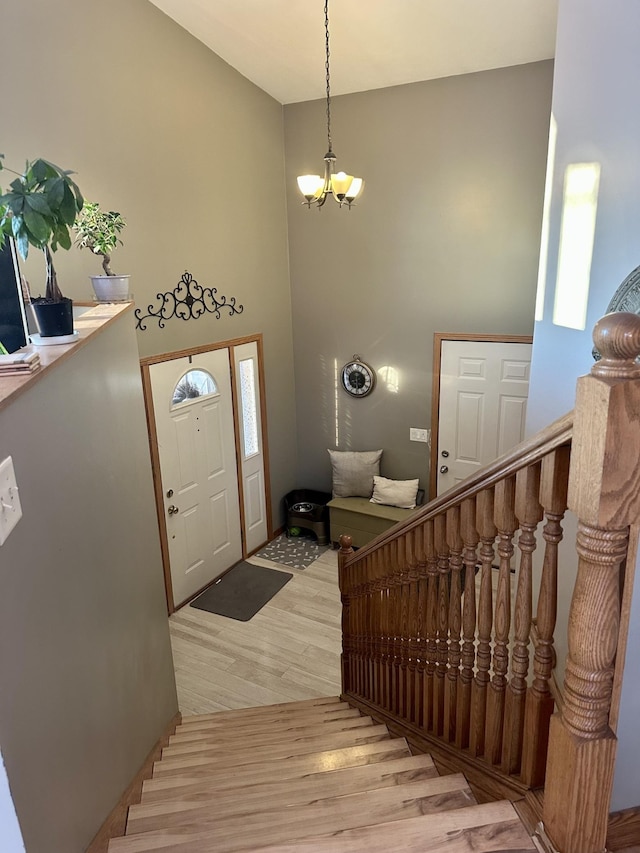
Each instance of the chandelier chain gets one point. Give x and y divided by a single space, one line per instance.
326 65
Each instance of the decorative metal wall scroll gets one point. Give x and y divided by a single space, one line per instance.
626 298
188 301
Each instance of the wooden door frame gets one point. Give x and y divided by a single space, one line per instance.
438 338
145 365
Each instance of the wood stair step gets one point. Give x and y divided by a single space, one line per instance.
286 722
487 828
219 760
224 741
324 816
256 798
311 705
300 766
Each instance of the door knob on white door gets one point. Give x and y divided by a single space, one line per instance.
444 469
172 510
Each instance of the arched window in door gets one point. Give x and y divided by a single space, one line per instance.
193 385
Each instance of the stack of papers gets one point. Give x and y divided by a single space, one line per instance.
19 364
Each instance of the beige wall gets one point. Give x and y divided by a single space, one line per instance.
445 239
86 675
158 127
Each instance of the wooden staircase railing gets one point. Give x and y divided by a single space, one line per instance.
439 632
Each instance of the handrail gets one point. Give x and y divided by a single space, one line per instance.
526 453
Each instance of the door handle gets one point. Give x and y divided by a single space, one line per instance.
444 469
172 510
445 453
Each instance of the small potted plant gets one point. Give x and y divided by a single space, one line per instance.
99 231
38 210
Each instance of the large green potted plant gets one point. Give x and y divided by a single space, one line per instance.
99 230
38 210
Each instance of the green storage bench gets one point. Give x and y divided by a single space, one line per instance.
362 520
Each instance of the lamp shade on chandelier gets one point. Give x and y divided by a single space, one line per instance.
317 188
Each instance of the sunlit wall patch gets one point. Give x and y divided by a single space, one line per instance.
577 231
546 215
390 377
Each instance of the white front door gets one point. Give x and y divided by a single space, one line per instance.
484 387
252 456
193 409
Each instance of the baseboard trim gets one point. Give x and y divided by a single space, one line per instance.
115 824
624 829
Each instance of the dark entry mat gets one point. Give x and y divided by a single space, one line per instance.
242 592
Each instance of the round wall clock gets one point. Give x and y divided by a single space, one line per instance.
357 377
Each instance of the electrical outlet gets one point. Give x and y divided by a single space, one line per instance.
10 509
419 435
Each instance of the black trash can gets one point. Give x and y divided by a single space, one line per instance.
308 509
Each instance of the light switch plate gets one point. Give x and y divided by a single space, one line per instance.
10 509
416 434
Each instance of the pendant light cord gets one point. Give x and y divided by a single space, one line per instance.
326 64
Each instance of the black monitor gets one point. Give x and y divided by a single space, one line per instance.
13 322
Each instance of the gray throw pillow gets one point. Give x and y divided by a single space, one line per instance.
353 472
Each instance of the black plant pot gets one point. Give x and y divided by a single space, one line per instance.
54 319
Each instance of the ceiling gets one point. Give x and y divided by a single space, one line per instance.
279 44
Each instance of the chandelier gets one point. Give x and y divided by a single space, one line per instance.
344 188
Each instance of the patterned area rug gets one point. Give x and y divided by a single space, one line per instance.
297 551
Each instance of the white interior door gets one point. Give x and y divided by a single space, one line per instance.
193 409
252 458
483 402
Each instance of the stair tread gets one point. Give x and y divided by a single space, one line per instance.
287 722
255 798
470 830
219 760
268 710
299 766
225 741
486 828
333 813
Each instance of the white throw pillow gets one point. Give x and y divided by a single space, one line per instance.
353 472
401 493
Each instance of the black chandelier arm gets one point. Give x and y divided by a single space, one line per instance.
187 301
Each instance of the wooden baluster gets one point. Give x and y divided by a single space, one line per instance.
391 605
364 626
442 636
539 704
345 552
379 641
421 629
487 532
412 632
604 485
360 628
393 611
372 627
529 515
402 613
386 629
354 603
470 541
432 625
454 541
506 523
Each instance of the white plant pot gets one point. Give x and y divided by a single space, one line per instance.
111 288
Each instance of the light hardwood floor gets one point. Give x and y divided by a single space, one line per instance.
290 650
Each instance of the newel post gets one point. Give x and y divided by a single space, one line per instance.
604 493
345 658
